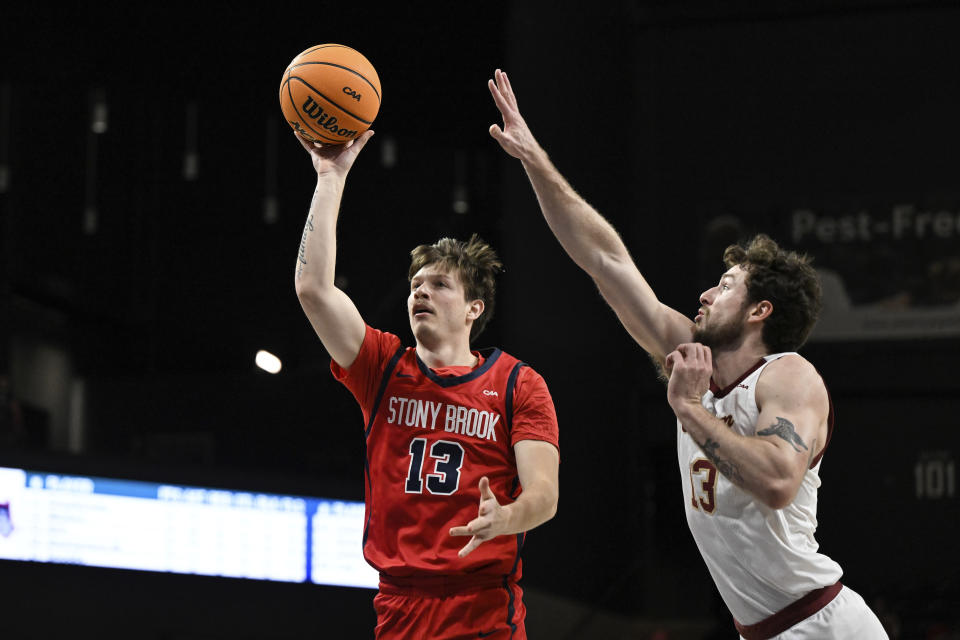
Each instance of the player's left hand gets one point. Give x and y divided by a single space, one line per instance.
515 136
490 521
689 367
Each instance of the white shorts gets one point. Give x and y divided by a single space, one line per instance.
846 617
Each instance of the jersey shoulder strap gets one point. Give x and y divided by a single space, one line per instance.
508 396
384 380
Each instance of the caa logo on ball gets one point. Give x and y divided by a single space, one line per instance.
353 94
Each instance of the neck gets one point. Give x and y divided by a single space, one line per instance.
728 365
451 354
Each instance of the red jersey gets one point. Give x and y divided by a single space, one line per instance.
431 435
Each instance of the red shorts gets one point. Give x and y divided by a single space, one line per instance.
481 611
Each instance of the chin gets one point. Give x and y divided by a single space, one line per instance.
422 334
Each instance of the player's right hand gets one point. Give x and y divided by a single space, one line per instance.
334 159
490 522
689 367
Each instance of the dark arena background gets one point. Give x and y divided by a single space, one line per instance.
151 205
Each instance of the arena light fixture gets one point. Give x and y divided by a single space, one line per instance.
268 362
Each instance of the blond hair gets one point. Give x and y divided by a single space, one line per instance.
475 263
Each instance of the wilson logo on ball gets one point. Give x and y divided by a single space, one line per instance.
296 127
313 110
330 93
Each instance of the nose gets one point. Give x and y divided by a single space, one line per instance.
706 298
421 291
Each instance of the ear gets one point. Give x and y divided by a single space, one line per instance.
760 311
475 309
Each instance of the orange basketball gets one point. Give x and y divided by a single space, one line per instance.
330 94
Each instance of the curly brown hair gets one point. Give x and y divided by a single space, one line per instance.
788 281
474 261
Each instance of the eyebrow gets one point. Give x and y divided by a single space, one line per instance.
443 276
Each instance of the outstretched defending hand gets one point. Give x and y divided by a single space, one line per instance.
689 367
334 159
490 522
515 137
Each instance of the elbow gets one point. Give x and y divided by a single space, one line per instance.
550 507
313 299
303 288
607 262
308 292
779 494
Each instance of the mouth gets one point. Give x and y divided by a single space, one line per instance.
700 315
421 311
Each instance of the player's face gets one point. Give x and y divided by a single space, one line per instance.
437 305
722 318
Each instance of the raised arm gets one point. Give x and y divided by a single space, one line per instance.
331 312
791 428
587 237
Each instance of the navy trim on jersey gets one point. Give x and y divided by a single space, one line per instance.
511 609
514 488
508 420
366 433
490 356
508 397
383 387
516 561
366 525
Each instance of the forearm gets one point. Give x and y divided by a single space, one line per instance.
317 257
531 509
597 248
585 235
753 464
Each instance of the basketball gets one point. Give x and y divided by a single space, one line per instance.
330 93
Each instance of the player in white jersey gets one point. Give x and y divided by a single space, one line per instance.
753 416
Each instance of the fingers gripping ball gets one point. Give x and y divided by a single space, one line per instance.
330 93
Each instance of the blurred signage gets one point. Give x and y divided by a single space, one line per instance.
887 272
107 522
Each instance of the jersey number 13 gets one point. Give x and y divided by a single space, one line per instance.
705 496
447 459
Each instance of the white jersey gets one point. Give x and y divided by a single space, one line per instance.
761 559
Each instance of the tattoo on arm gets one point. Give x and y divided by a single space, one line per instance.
302 256
729 469
783 428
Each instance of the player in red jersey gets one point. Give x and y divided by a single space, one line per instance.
447 428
